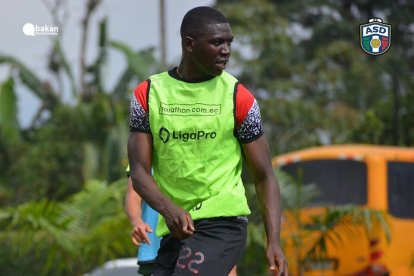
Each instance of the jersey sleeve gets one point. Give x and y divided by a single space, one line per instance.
138 121
249 125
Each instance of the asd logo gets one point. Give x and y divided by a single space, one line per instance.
375 37
165 135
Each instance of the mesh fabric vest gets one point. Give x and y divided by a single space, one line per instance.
197 159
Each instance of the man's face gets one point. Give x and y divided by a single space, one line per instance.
212 49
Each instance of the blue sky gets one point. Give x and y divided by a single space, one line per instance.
134 22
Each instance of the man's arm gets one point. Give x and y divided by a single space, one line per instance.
179 221
268 195
134 212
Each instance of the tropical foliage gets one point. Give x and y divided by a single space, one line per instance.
308 233
69 237
305 237
74 141
56 217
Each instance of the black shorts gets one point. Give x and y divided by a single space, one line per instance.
146 268
213 249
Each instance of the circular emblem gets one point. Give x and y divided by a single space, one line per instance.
375 43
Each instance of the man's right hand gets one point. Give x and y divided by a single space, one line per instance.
179 222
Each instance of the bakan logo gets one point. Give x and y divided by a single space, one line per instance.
197 109
33 30
165 135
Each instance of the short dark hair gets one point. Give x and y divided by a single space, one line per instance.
196 19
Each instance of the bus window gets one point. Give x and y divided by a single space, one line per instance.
338 181
401 189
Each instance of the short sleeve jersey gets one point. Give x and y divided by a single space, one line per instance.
248 122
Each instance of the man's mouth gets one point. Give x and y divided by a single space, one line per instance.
222 64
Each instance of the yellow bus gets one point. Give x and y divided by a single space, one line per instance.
377 177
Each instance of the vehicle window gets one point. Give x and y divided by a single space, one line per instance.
338 181
401 189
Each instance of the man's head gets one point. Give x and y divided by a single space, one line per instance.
206 39
195 21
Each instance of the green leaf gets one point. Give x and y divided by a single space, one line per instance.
141 63
40 89
9 123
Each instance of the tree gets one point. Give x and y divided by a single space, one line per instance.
304 58
68 143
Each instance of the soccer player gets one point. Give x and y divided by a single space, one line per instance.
194 124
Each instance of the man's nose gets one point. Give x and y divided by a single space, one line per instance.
226 49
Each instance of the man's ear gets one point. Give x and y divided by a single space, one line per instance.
189 43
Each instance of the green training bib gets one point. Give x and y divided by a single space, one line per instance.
196 158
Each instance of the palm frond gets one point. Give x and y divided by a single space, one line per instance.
95 203
40 89
341 222
69 237
293 193
141 63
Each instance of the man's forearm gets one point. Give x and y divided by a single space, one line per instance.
270 208
151 194
133 211
133 205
